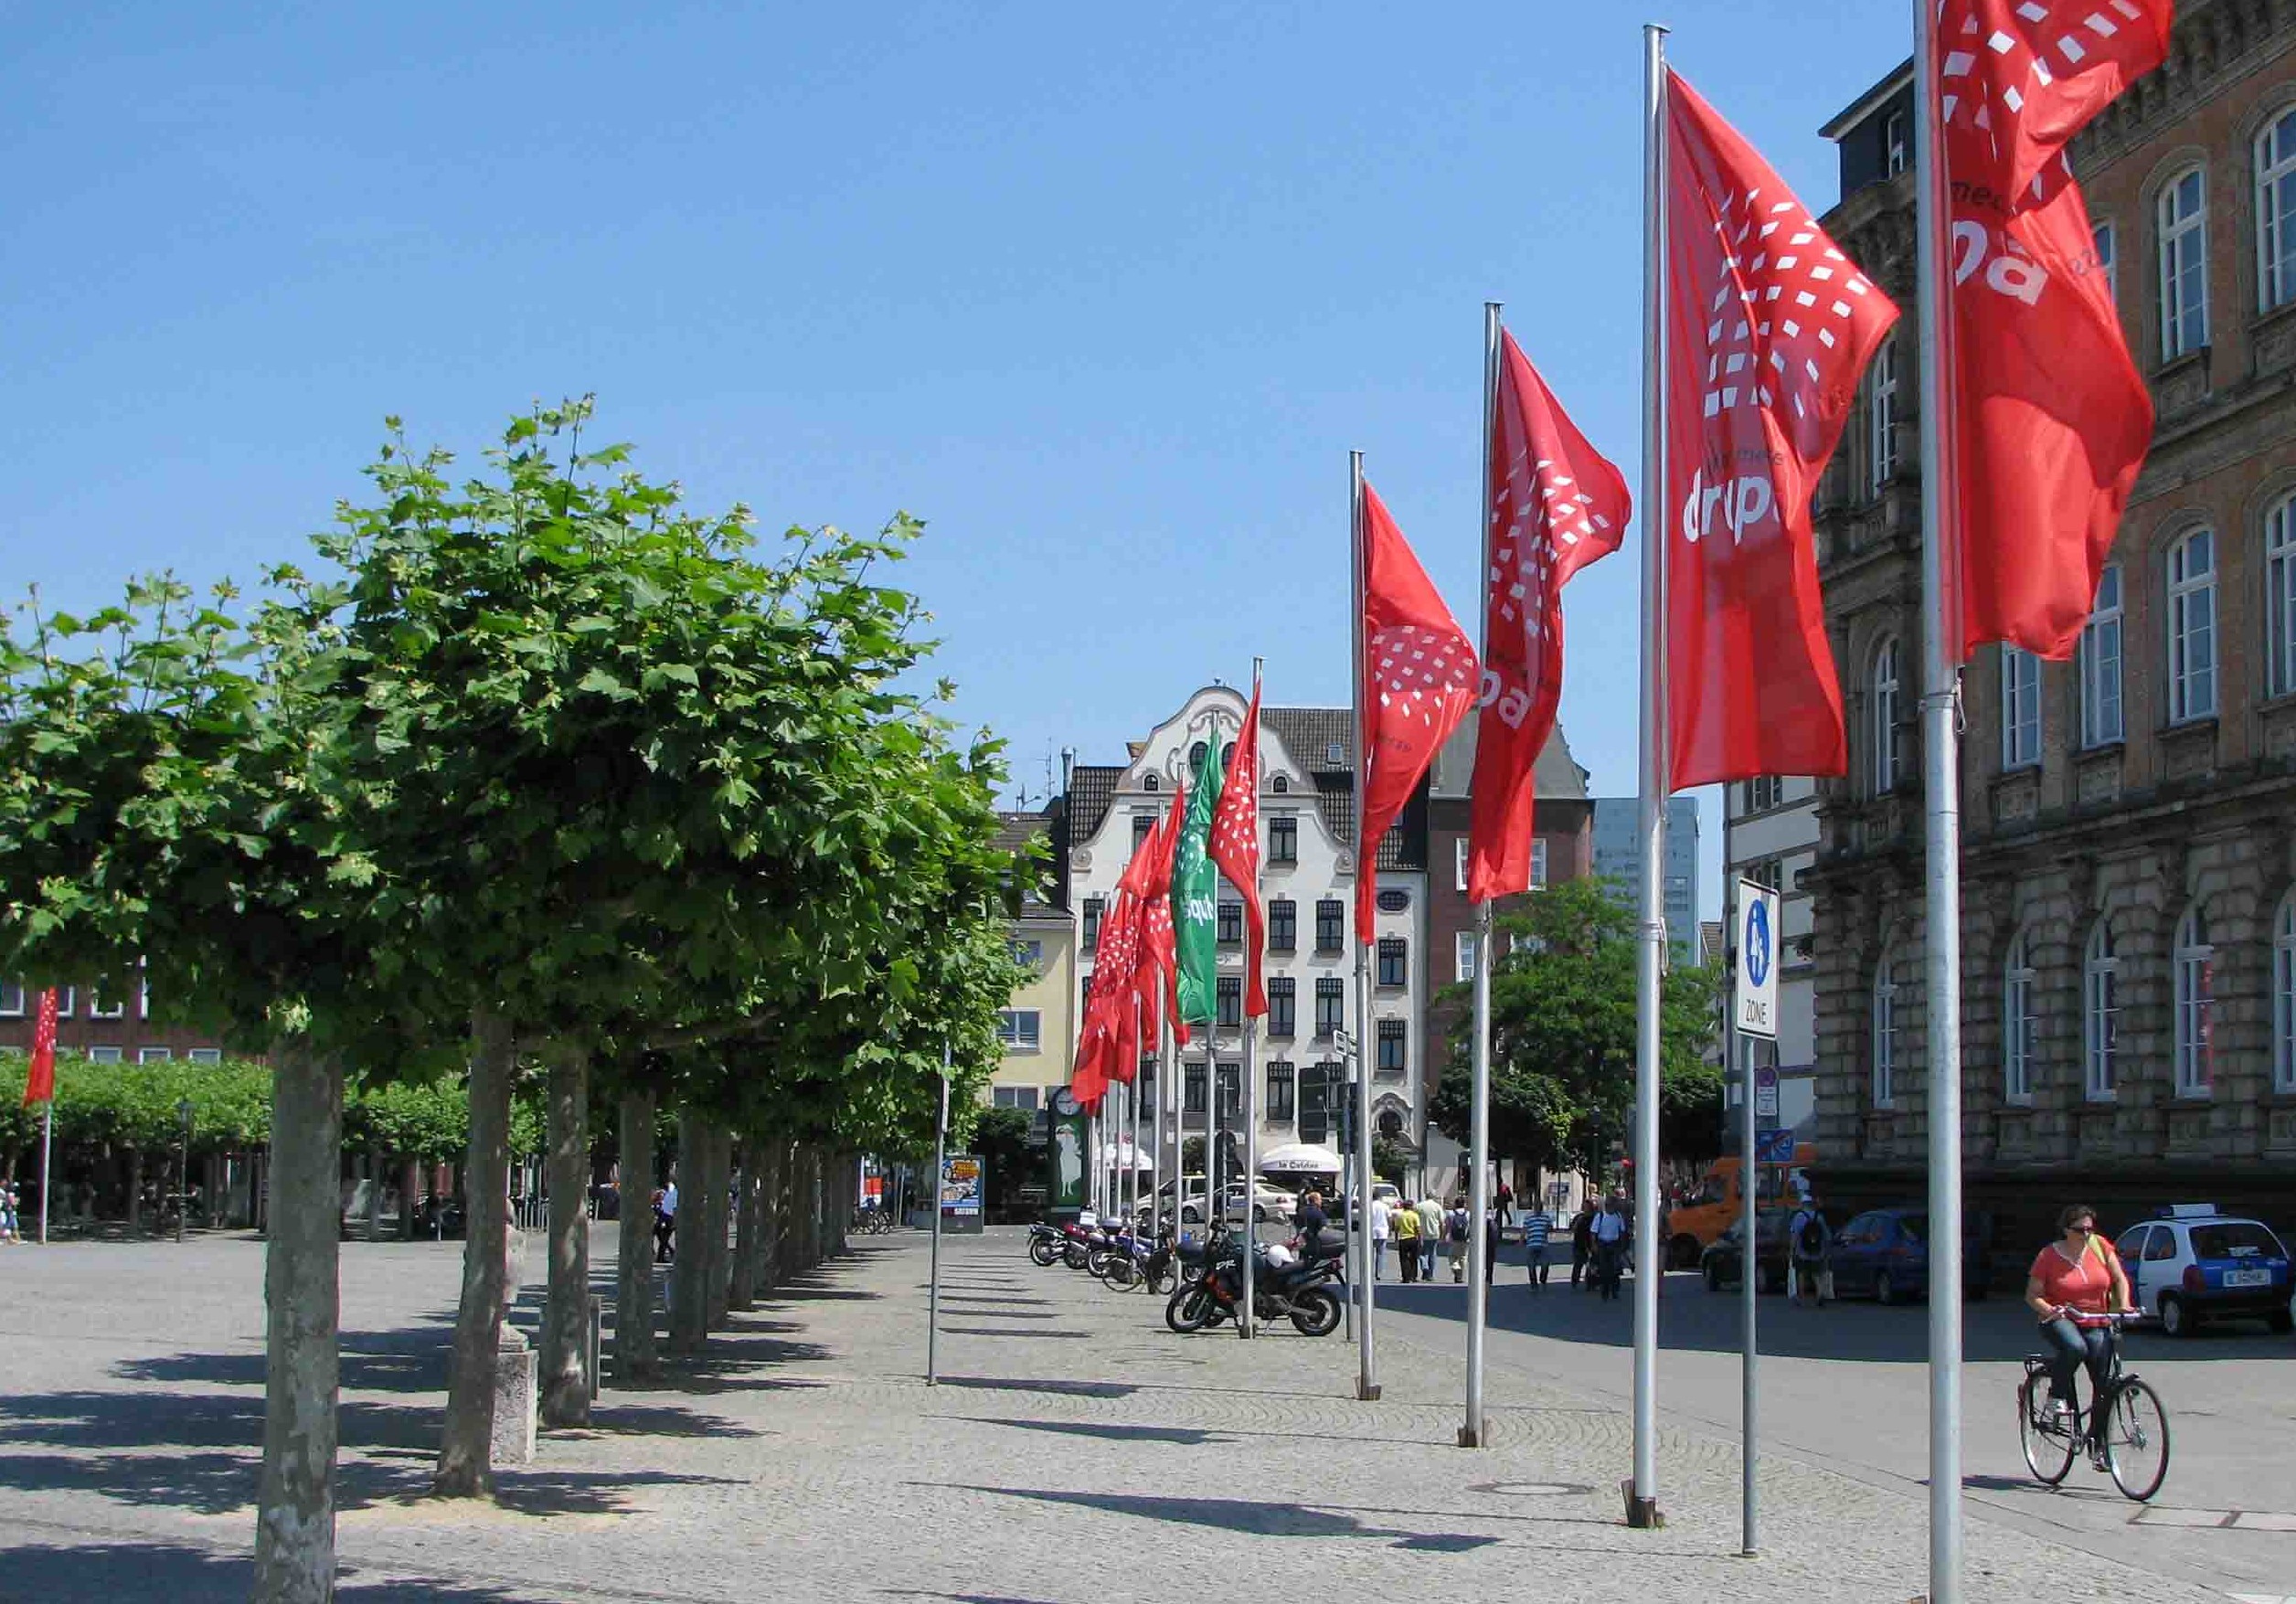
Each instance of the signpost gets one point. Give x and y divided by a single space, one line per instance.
1754 1015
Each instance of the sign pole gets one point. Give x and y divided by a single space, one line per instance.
940 1168
1752 1016
48 1139
1367 1372
1474 1432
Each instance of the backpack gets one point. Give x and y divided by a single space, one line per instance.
1809 1237
1457 1224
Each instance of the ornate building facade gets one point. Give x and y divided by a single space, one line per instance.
2129 938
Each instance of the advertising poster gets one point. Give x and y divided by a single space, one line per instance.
961 1188
1067 1160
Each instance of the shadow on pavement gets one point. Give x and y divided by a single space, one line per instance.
185 1574
1078 1389
1185 1436
1265 1520
1002 1332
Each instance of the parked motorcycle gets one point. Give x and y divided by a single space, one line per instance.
1045 1243
1290 1286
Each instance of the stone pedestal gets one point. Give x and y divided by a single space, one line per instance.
516 1401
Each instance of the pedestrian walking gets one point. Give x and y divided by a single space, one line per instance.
1382 1218
666 1224
1812 1240
7 1213
1431 1234
1536 1226
1455 1227
1581 1242
1311 1221
1506 1203
1405 1228
1608 1233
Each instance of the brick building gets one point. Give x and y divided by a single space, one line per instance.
108 1030
2128 937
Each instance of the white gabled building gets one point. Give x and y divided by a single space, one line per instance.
1307 881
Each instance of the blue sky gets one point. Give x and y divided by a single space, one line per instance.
1106 295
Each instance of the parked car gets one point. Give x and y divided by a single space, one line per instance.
1722 1260
2195 1264
1884 1252
1721 1200
1386 1189
1269 1203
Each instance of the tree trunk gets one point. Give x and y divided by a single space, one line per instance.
635 1358
410 1184
720 1201
809 1201
374 1194
465 1468
135 1190
565 1357
294 1525
771 1155
689 1273
749 1215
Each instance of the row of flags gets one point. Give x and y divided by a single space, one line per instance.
1770 328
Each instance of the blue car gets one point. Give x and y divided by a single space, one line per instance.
2194 1264
1884 1253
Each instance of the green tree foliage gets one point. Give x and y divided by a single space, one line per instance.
1562 1050
137 1105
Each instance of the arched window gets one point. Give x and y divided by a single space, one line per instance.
2100 664
2195 962
2279 597
2276 213
1885 1030
2181 219
1281 785
2101 1013
2020 1020
2191 627
1882 720
1195 758
2284 996
1152 782
1881 415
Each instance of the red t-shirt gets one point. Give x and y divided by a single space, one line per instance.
2086 1286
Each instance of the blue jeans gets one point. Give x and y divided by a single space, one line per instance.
2071 1346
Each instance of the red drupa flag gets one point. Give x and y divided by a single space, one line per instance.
1770 327
1159 941
1236 847
1419 676
39 1079
2051 417
1554 504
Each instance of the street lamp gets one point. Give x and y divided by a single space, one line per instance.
183 1167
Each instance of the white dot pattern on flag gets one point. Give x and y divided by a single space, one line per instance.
1995 62
1413 669
1784 298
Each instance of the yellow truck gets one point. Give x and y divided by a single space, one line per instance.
1715 1207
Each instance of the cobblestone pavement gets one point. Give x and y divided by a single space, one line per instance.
1074 1452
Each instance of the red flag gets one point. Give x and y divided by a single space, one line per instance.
1419 676
1770 326
39 1079
1554 504
1112 969
2051 417
1159 942
1235 847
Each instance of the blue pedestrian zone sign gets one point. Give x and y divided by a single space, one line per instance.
1773 1147
1755 972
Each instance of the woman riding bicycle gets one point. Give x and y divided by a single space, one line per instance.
2077 1274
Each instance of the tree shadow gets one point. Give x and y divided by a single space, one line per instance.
402 1361
1183 1436
992 1331
183 1574
998 1312
1250 1517
1077 1389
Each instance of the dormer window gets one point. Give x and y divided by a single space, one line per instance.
1335 755
1281 785
1152 782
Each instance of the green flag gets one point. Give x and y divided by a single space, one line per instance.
1195 896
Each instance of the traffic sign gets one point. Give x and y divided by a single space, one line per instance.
1773 1147
1766 1093
1755 982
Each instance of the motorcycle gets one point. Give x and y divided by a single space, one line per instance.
1045 1243
1138 1263
1292 1288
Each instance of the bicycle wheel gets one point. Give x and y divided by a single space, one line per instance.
2049 1448
2136 1440
1119 1272
1163 1281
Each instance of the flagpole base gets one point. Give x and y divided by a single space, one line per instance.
1367 1392
1641 1513
1472 1437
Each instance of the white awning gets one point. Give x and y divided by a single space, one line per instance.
1299 1158
1116 1154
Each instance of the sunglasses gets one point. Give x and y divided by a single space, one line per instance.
2087 1230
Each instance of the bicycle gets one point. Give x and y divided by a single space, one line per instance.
877 1222
2134 1448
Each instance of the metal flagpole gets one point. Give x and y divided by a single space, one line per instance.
932 1297
1473 1434
1250 1114
1749 1359
1366 1369
1155 1117
48 1139
1940 694
1641 1505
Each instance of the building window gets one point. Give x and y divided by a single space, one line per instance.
154 1055
1283 839
1192 1089
1763 792
1144 827
1392 1034
1283 925
1893 144
2100 664
2279 598
1284 1006
2100 1015
206 1055
102 1007
66 997
1018 1029
1195 758
1330 916
1459 851
1394 962
2195 986
2276 213
1882 718
2284 996
1881 416
1152 782
1538 863
1281 785
1280 1108
1231 924
1231 1090
103 1055
2183 232
1769 873
1330 1002
1092 907
1885 1031
2020 708
1013 1097
1463 956
2020 1020
2108 253
2192 628
1029 955
11 1000
1335 755
1227 994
